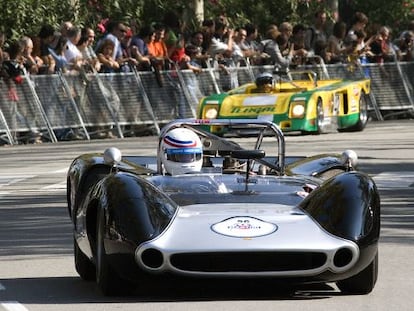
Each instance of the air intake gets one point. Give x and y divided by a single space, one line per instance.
152 258
343 257
248 261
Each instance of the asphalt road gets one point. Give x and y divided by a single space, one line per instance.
36 261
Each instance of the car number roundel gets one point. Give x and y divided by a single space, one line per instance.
244 227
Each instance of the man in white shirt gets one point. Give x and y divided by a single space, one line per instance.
72 53
218 44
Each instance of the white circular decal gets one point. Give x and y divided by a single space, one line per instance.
244 227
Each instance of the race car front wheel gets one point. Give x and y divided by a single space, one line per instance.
362 283
83 265
106 278
319 127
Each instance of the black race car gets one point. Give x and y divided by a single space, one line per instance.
249 211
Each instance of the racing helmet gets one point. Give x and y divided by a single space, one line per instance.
181 152
264 78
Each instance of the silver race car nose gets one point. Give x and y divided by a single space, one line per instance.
280 242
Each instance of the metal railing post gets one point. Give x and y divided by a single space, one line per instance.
8 132
103 89
73 102
147 102
40 107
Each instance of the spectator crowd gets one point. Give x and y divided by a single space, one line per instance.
167 43
115 46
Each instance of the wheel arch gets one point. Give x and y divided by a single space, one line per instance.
348 206
136 209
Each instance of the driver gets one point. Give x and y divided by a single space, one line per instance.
181 152
264 83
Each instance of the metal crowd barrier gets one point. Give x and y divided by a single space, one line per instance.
55 105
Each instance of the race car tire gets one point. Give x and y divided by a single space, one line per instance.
363 113
83 265
108 281
320 117
362 116
362 283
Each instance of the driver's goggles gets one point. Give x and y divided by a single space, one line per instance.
187 155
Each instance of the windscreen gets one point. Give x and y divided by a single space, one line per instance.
232 188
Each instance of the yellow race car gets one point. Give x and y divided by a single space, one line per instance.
295 101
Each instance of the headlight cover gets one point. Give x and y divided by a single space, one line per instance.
297 109
211 112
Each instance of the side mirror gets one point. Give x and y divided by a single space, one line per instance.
112 156
350 159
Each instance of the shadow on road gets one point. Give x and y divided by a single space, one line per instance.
34 224
70 290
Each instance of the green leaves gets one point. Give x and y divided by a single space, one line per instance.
25 17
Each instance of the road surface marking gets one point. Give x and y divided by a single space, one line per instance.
13 306
57 186
394 180
7 180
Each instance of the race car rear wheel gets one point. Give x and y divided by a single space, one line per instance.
108 281
362 283
320 117
83 265
362 116
363 113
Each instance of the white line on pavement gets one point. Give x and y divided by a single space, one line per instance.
13 306
58 186
7 180
394 180
63 170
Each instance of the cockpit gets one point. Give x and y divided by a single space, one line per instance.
230 188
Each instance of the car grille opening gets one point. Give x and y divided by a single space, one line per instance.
152 258
248 261
343 257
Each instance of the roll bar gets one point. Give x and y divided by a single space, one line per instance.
267 128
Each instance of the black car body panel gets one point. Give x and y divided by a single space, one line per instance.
302 219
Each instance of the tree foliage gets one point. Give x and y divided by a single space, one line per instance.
395 14
25 17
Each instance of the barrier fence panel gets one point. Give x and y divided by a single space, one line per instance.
207 82
191 86
89 103
115 99
68 89
56 99
344 71
245 74
408 71
146 102
7 136
165 94
388 86
24 117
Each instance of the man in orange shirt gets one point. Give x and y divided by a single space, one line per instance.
157 48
